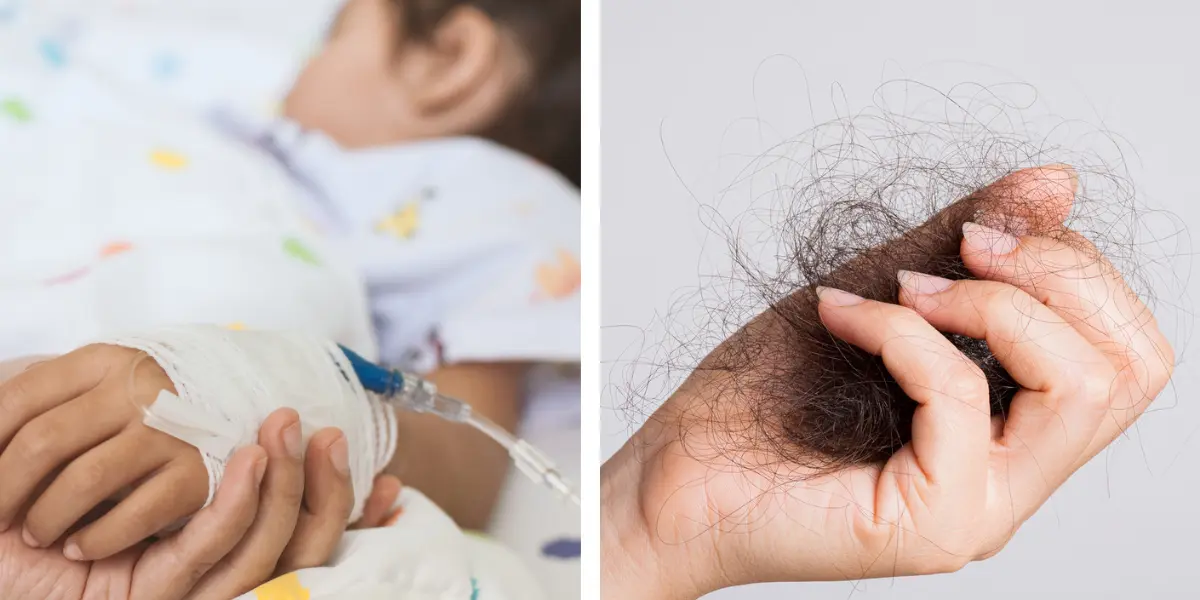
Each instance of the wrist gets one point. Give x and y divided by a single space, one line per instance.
643 557
632 566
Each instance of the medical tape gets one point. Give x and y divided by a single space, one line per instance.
192 424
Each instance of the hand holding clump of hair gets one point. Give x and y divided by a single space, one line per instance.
904 415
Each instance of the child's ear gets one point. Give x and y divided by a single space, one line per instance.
467 65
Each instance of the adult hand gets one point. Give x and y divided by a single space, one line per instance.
264 519
1085 351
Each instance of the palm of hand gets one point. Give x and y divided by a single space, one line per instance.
38 573
776 523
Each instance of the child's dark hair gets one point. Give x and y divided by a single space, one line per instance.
543 121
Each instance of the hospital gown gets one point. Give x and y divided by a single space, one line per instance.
124 209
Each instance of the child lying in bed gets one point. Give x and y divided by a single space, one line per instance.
468 247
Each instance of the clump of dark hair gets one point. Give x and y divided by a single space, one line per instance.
543 120
874 194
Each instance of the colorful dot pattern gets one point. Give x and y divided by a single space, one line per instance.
403 223
169 160
16 110
284 587
53 52
561 278
107 251
115 248
563 549
296 249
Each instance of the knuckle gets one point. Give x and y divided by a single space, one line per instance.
901 320
965 381
292 495
87 476
1162 365
94 349
1002 298
33 443
286 490
1095 387
196 570
902 314
185 569
13 396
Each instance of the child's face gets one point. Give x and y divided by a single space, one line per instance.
368 86
351 89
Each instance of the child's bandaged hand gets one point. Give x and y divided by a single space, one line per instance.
72 437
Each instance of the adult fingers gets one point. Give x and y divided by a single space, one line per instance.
253 560
171 567
1032 341
111 578
1070 276
951 425
1031 199
1028 201
1065 379
328 500
1037 199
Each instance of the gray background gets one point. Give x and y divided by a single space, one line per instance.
690 85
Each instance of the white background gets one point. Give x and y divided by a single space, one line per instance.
681 79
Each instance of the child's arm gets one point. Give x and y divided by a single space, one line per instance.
459 468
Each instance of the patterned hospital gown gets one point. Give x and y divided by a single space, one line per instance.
123 210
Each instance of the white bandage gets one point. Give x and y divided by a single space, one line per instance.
228 382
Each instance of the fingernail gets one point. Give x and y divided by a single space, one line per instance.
837 297
986 239
72 551
1010 224
29 539
260 469
339 456
291 440
920 283
1072 174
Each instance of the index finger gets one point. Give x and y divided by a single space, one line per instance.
254 559
171 567
951 430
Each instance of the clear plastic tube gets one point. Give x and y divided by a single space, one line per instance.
417 395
